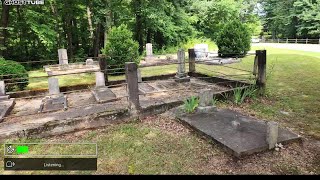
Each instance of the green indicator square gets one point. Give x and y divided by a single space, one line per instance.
22 149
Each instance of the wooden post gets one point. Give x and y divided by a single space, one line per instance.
307 41
278 40
132 83
192 61
262 70
296 40
104 68
287 40
319 40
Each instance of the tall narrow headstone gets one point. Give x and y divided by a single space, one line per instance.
100 81
149 50
2 88
139 76
54 86
181 64
181 74
63 56
272 134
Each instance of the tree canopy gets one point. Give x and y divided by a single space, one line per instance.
35 32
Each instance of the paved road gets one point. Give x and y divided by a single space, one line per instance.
301 47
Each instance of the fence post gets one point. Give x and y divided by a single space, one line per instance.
319 40
104 68
133 85
307 41
192 61
278 40
296 40
262 70
287 40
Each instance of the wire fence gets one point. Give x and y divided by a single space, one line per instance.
293 41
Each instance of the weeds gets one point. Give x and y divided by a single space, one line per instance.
191 104
240 94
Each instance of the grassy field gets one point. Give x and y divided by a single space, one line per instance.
159 145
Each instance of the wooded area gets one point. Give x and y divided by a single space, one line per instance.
35 32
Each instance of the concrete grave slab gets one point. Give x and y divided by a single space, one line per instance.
54 103
5 108
103 95
240 134
146 88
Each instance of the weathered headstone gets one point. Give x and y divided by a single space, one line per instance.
3 95
53 86
139 76
181 74
206 98
2 88
149 50
201 50
56 100
63 57
100 81
272 134
205 102
89 62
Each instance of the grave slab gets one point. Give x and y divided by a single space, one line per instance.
146 88
103 95
248 137
54 103
6 107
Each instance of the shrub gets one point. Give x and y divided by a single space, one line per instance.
14 75
121 48
234 39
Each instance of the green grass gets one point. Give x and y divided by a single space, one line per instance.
137 149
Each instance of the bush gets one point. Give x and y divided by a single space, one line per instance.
233 40
14 75
121 48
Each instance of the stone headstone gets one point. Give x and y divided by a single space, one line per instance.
63 56
181 64
139 76
272 134
149 50
205 98
53 86
89 62
2 88
201 50
100 80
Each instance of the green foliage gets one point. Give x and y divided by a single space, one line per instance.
234 39
214 101
14 75
120 47
191 104
240 94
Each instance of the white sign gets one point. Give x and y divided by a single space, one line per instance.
23 2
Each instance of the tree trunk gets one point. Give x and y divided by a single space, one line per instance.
90 22
139 24
69 37
3 30
96 43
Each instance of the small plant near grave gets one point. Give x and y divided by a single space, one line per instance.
214 101
240 94
191 104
